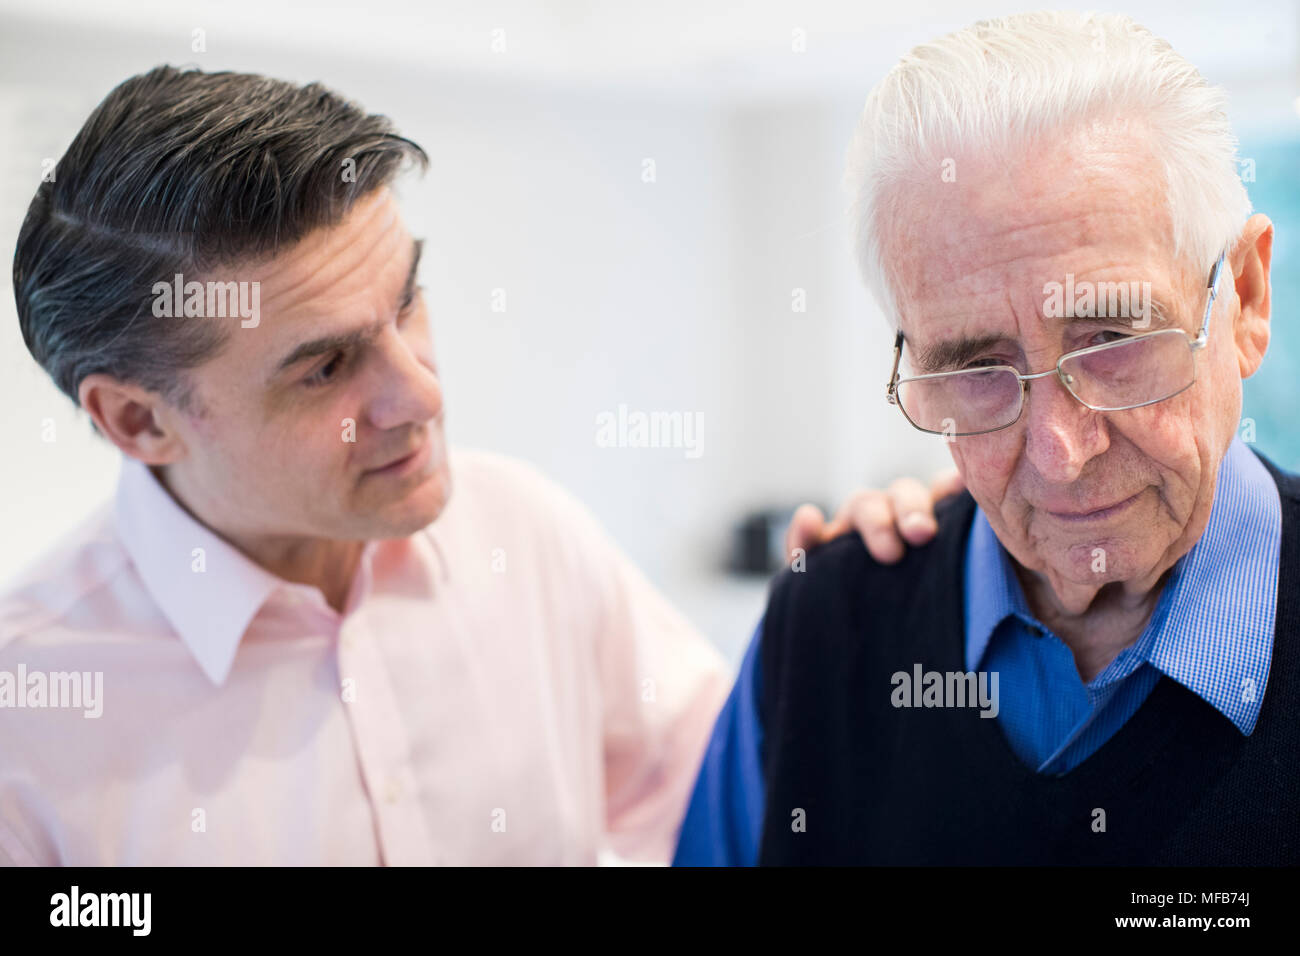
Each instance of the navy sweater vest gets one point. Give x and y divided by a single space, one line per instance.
851 779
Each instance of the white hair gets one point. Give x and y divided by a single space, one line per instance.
1002 83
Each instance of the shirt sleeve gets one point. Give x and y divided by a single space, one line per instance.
662 685
725 818
659 684
13 850
650 685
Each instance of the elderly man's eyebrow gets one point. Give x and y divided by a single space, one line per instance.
1162 314
357 337
1159 314
953 353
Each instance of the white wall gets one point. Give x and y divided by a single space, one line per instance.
671 296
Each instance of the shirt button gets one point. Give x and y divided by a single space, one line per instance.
392 790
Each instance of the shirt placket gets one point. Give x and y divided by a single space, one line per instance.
383 748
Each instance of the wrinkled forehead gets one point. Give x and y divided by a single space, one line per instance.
996 233
367 238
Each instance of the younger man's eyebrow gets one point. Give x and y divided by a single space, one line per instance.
357 337
408 290
329 343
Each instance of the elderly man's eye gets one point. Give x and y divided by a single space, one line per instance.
1106 336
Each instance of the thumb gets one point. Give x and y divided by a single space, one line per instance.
805 529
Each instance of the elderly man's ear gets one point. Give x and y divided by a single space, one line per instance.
1250 259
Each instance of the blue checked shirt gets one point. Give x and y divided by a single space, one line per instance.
1212 631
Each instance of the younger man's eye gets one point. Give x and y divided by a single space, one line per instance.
409 304
325 374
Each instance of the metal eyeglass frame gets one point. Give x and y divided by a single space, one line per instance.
1194 344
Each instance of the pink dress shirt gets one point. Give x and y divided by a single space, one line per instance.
503 687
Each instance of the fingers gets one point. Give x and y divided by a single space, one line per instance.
888 521
913 509
806 530
871 514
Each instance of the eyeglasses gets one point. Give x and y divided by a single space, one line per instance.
1128 373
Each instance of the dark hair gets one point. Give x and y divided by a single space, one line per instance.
182 171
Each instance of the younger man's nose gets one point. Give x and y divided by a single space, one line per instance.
407 391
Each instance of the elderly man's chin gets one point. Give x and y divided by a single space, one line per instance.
1122 543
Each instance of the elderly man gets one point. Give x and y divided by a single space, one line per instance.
1095 661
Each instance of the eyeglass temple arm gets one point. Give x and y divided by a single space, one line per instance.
891 390
1203 335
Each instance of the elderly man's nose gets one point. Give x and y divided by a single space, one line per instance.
1061 434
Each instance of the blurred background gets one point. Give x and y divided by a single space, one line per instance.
633 205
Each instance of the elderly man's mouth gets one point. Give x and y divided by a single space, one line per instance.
1096 514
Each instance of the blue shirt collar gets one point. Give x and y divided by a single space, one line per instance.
1212 629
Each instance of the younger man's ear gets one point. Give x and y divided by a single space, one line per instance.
134 419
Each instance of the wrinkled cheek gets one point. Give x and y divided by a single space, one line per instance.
988 465
1166 443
